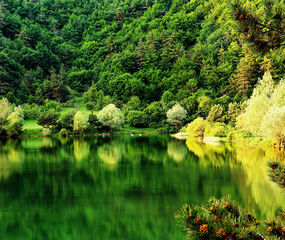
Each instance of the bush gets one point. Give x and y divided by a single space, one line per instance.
48 119
94 124
216 130
63 132
32 111
155 114
176 115
90 105
111 116
46 132
66 121
15 122
134 104
68 104
80 122
196 128
51 104
136 119
216 114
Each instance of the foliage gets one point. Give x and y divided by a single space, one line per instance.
5 111
196 128
111 116
48 119
277 173
225 219
216 114
63 132
66 121
159 52
155 114
264 114
134 104
216 130
176 115
80 122
94 124
15 122
46 132
136 118
31 111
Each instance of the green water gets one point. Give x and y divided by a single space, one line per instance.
124 187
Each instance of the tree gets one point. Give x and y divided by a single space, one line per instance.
273 125
80 122
15 122
204 105
247 73
136 118
262 28
257 106
176 115
5 111
155 114
215 114
66 121
48 119
111 117
133 104
225 219
196 128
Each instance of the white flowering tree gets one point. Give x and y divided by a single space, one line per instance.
176 115
111 116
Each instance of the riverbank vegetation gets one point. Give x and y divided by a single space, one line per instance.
162 63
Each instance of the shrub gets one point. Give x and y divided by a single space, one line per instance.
80 122
176 115
134 104
216 114
51 104
15 122
216 130
196 128
155 114
111 116
63 132
66 121
136 119
94 124
46 132
32 111
48 119
5 111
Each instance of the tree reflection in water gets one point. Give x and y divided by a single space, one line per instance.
122 187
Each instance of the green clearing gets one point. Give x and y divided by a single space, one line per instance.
31 128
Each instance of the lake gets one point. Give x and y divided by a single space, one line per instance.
123 187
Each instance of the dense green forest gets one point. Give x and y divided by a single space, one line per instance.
142 55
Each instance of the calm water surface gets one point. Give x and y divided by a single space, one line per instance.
123 187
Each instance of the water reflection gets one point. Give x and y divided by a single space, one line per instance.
122 187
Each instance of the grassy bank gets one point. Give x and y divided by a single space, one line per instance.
32 129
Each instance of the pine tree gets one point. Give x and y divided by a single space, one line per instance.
140 52
247 73
151 43
266 30
110 45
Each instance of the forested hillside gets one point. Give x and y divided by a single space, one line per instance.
198 52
